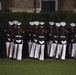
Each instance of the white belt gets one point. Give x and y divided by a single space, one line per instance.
41 36
18 41
62 36
18 36
55 36
41 42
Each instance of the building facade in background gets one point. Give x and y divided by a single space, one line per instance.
40 5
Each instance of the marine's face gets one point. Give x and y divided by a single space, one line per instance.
15 26
41 26
18 26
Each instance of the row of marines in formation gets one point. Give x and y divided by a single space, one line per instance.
55 36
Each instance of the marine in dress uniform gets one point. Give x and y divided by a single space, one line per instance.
18 41
50 37
35 38
61 51
41 40
72 39
30 39
12 41
15 22
55 39
8 32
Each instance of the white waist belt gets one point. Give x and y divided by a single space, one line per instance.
62 36
41 36
18 41
18 36
55 36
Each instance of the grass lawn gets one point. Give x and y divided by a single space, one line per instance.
36 67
